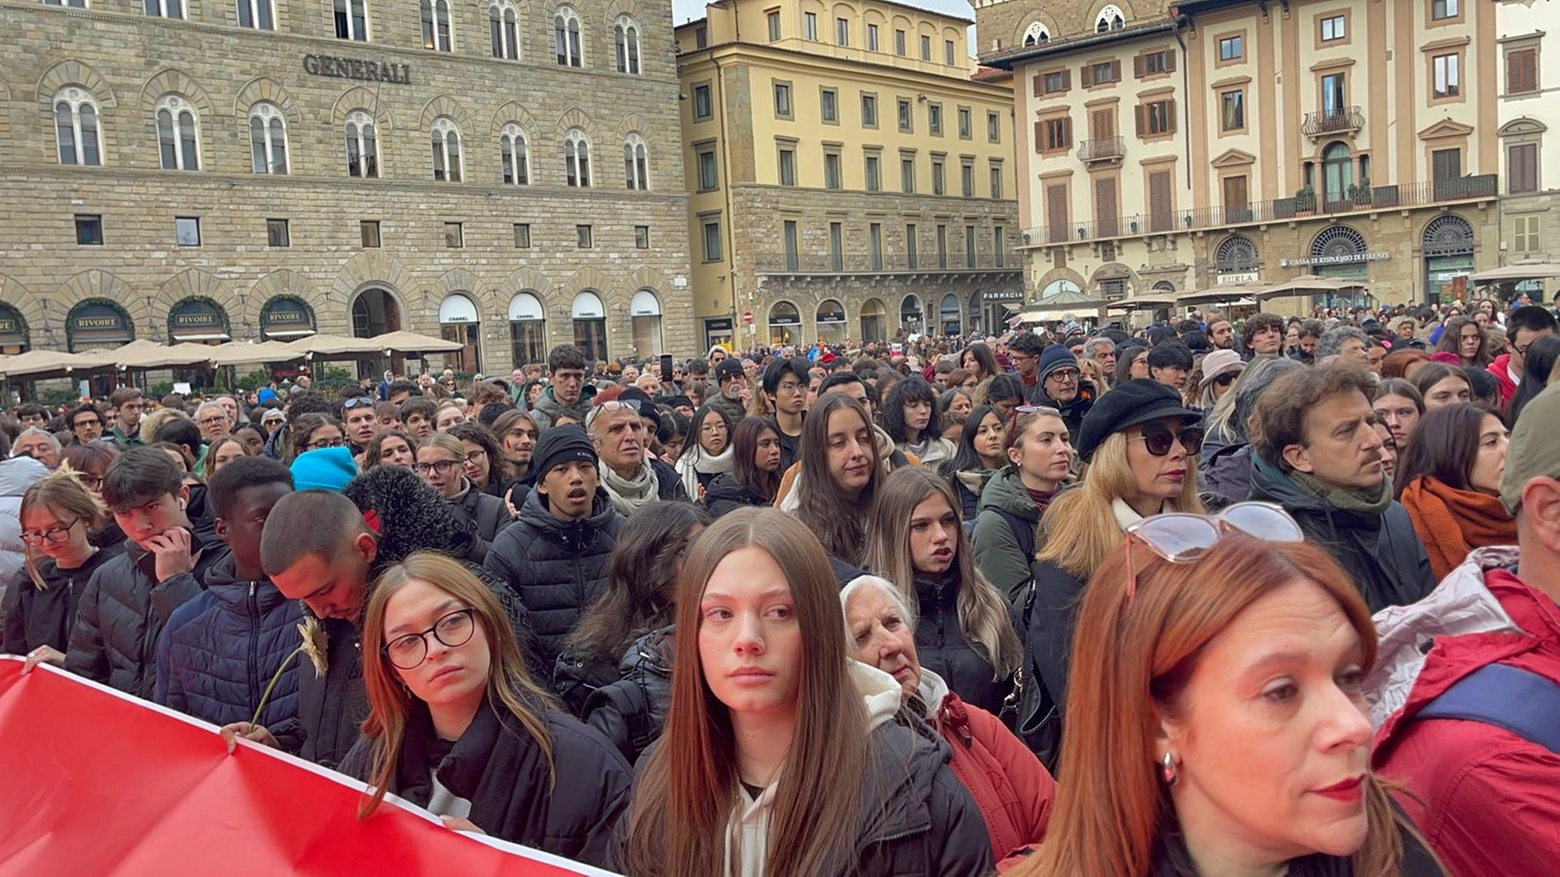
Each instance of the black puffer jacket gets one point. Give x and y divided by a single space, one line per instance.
557 568
1382 553
632 711
44 616
575 677
485 514
1050 620
122 612
668 484
725 495
498 767
944 650
1072 412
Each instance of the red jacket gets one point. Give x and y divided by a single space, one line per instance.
1009 784
1508 387
1490 799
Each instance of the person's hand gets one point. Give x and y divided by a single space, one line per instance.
43 655
458 823
255 733
172 550
509 501
701 494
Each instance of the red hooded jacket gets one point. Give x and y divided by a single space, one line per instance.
1488 800
1499 369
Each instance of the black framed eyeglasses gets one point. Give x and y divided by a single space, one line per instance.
442 467
1159 439
407 652
53 535
325 443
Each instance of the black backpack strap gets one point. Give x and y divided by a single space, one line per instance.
1520 701
1023 532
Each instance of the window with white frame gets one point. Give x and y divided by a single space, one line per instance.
503 27
362 145
436 25
636 163
165 8
576 158
256 14
74 4
625 34
76 128
1036 34
566 37
1110 18
446 150
178 136
351 20
267 139
516 155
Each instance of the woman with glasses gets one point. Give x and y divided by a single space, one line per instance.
393 448
1131 364
1448 480
1140 446
457 726
1039 462
89 463
977 457
441 461
782 755
755 469
482 457
1538 370
963 628
312 432
1215 377
58 516
910 417
709 455
1239 739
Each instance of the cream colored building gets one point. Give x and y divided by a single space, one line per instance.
1171 148
1529 130
848 172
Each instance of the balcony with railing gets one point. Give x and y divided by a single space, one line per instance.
1357 199
1102 149
823 264
1332 122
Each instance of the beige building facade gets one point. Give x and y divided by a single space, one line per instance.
1171 148
504 173
1529 117
848 173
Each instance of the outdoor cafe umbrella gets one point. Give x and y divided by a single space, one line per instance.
155 356
333 347
251 353
1225 292
1526 269
412 342
1150 302
1061 306
1306 284
39 364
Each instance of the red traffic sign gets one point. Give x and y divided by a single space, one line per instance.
747 316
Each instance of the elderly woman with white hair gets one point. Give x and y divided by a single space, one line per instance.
1009 784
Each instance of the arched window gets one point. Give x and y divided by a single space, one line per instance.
1036 34
362 145
576 158
436 25
502 23
1237 254
1110 18
446 150
515 154
1337 241
267 139
76 128
636 163
178 136
256 14
1337 172
351 20
566 37
1447 235
626 35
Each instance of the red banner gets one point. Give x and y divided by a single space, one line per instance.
94 782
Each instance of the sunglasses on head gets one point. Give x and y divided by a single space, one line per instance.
1159 439
1187 538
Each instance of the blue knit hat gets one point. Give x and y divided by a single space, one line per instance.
324 469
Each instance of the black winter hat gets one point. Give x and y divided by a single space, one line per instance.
561 445
1055 357
729 367
1131 404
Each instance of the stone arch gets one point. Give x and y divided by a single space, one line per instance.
77 73
282 282
468 284
100 284
645 277
1112 271
590 277
528 278
625 7
1040 17
271 91
1054 275
359 98
369 268
444 105
174 81
514 112
633 123
190 283
31 309
574 117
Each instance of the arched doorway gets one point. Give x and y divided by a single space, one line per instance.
1337 173
784 322
461 322
97 324
14 337
644 313
1236 259
910 311
831 321
197 321
590 325
1338 251
286 317
1447 246
949 318
527 329
375 312
872 320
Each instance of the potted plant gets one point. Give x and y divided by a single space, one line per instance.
1305 200
1361 194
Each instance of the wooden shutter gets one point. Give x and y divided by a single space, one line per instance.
1137 66
1039 85
1115 71
1039 137
1138 112
1169 60
1170 116
1067 137
1105 206
1522 168
1161 216
1521 71
1056 212
1102 124
1086 75
1067 79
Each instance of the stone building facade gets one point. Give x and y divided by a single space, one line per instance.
1529 132
504 174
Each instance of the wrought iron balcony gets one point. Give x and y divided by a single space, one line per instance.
1102 149
1338 120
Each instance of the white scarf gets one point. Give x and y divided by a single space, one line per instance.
696 461
626 494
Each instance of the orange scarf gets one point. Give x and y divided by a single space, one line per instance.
1453 522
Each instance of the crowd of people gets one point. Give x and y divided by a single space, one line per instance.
1215 597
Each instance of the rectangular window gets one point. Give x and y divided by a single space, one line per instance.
926 48
1447 75
948 52
783 100
1232 110
703 107
1335 95
788 165
1102 73
869 111
89 230
1522 168
369 229
995 172
708 178
583 234
1056 213
1154 63
277 233
907 174
872 38
831 170
875 244
810 25
454 235
899 42
999 245
701 39
186 231
993 127
712 240
773 17
351 19
1333 28
1445 164
788 240
937 176
1522 71
874 173
1525 234
842 31
964 123
1156 118
942 246
829 105
836 247
1440 10
1055 82
1232 48
912 257
905 125
967 177
969 246
934 119
1055 134
522 235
